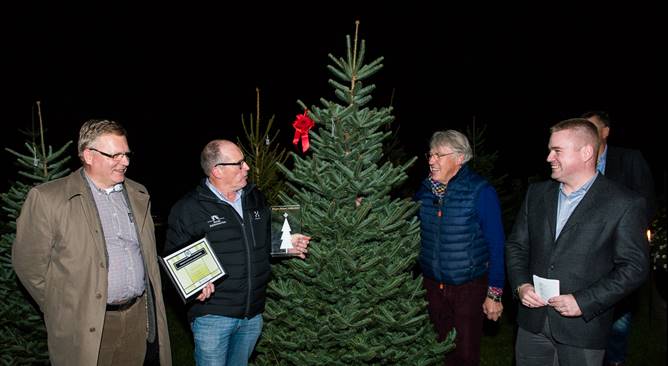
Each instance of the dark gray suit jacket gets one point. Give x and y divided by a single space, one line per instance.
628 167
600 257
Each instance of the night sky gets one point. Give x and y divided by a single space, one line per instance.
179 77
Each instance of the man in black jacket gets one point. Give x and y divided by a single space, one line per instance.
629 168
235 218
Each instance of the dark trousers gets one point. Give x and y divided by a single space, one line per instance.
542 350
458 306
618 341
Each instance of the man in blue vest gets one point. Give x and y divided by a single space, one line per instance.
462 246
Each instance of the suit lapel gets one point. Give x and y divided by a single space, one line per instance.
585 207
550 203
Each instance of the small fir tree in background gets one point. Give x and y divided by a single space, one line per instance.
262 154
484 163
393 149
22 331
353 300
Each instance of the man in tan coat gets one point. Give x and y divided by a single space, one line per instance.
85 250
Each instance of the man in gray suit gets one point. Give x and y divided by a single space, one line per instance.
585 231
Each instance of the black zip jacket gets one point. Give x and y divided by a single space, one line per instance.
242 244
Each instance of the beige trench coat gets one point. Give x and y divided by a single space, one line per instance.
60 257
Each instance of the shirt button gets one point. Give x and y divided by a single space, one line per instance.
92 329
101 265
98 296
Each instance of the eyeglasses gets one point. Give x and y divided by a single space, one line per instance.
115 157
436 155
239 163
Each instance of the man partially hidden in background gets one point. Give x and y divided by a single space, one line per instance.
627 167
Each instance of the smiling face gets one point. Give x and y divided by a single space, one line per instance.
570 158
444 163
103 170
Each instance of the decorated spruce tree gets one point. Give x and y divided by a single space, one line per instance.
22 331
354 300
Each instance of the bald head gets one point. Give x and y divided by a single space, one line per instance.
217 151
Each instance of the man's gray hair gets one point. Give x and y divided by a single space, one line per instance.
455 140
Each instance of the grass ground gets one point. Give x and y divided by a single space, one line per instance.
647 344
179 332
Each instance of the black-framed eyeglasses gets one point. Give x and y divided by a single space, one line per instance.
116 157
437 155
239 163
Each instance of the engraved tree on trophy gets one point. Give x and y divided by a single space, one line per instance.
286 237
285 220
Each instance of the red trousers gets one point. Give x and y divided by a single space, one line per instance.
458 306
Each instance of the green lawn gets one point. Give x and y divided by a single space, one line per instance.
647 344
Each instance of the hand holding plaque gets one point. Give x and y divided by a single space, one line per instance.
192 268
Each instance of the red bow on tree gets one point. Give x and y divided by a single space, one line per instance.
302 124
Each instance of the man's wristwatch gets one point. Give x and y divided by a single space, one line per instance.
493 296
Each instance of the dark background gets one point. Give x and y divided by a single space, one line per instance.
178 77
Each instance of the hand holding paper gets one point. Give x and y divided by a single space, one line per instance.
545 288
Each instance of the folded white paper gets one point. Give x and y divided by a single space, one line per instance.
545 288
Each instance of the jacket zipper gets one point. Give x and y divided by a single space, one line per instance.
249 266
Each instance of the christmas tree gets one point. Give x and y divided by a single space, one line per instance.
484 162
22 331
262 153
354 299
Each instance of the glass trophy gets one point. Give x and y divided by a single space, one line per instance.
285 221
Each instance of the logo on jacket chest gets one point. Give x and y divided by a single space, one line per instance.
216 220
256 215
